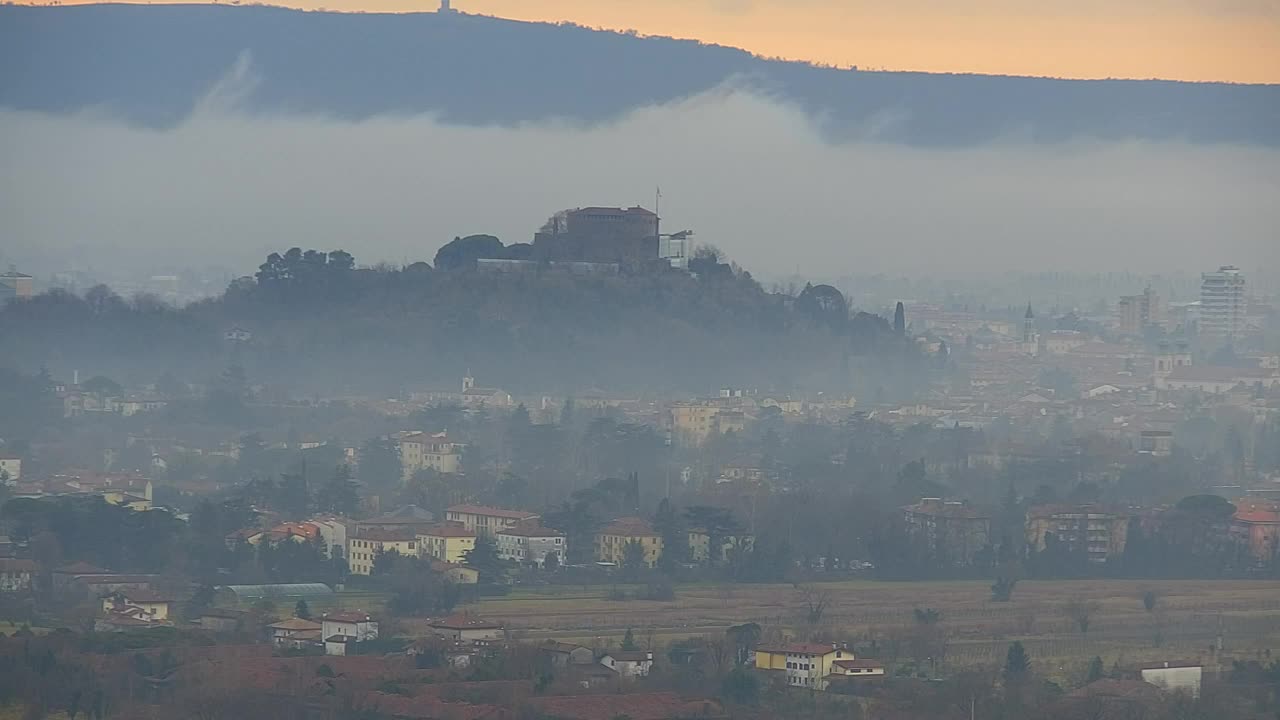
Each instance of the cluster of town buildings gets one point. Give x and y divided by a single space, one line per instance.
955 532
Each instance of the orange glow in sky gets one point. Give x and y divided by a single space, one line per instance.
1230 40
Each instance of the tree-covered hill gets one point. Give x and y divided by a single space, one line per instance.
319 324
152 64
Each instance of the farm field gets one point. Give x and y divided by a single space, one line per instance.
1185 625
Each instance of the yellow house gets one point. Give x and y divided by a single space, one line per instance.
612 541
153 605
423 451
693 423
448 542
367 543
805 665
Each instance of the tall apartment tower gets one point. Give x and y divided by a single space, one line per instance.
1137 312
1222 304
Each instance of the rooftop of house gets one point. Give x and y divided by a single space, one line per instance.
492 512
81 568
937 507
146 595
295 624
1171 665
17 565
385 534
531 528
561 647
798 649
859 664
348 616
630 655
447 530
630 527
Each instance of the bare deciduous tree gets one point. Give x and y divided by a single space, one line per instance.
1081 612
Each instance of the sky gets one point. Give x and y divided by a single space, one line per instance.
756 179
1201 40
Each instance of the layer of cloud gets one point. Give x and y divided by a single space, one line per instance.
746 174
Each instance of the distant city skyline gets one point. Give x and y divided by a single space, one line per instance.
1190 40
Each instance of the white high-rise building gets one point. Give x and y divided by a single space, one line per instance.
1222 304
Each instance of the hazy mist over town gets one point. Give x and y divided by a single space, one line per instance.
364 364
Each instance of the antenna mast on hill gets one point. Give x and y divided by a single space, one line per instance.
657 205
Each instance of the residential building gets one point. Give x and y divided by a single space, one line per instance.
409 518
1157 443
467 628
455 573
222 620
612 541
857 669
1096 531
953 532
364 547
448 542
15 575
806 665
1256 527
10 468
423 451
1138 312
153 605
333 534
487 521
700 546
692 423
529 543
296 633
1222 310
629 664
1175 676
15 285
562 655
340 629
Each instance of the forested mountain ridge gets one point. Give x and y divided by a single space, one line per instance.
327 327
151 65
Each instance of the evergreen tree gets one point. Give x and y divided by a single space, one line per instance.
302 611
484 558
1016 663
1095 670
629 642
900 319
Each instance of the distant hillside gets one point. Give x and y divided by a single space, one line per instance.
325 327
151 63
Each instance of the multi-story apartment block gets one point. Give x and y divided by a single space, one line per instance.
530 544
1096 531
953 532
612 541
487 521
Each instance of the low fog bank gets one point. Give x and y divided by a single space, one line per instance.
747 174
